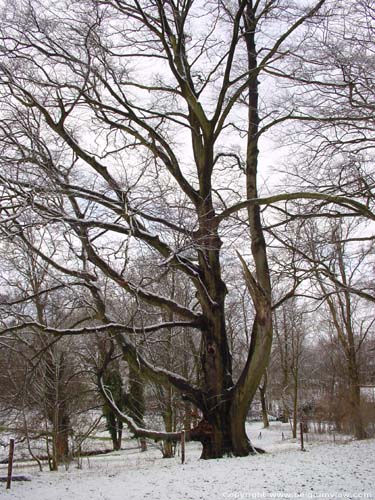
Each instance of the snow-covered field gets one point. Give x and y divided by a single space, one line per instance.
325 470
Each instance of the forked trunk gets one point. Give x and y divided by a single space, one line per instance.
216 432
222 437
226 435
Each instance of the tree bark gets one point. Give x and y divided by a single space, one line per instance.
262 392
356 418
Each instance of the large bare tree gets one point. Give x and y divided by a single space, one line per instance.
130 129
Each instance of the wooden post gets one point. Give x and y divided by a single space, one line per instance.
10 463
301 433
183 447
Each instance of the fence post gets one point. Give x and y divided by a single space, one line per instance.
10 463
182 447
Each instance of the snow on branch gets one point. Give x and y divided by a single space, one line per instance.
110 327
159 374
138 431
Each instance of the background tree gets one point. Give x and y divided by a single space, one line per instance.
344 310
113 382
48 383
290 337
336 264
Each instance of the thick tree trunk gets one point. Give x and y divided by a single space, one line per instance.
284 399
56 407
295 407
217 431
188 416
240 442
168 423
114 426
225 435
356 414
356 418
119 434
219 437
60 440
215 427
262 392
216 362
61 443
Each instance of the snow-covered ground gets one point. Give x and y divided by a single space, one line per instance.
335 470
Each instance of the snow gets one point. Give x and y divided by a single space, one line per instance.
326 470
